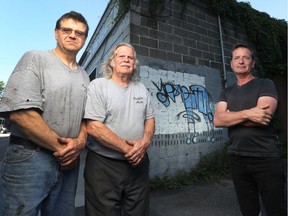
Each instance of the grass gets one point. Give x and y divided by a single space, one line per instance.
210 168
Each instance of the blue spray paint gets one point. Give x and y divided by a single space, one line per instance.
195 97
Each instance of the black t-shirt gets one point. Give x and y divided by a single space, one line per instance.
258 141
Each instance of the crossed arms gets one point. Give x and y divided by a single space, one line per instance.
261 115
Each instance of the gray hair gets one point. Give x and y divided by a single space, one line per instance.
106 70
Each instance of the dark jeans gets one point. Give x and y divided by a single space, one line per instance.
115 188
256 177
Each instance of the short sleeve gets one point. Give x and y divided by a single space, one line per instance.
95 105
268 88
23 89
150 111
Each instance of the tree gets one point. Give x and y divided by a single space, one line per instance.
2 86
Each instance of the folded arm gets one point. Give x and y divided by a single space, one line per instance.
261 115
133 150
35 129
67 150
136 155
107 137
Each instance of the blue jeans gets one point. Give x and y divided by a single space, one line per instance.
255 177
32 182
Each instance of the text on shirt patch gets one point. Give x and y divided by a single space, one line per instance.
138 100
85 88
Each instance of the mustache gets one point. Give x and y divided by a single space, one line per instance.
125 64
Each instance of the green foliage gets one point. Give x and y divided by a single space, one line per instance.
269 35
123 6
210 168
2 86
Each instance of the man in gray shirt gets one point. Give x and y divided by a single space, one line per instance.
43 104
120 121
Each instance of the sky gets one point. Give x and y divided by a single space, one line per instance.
29 25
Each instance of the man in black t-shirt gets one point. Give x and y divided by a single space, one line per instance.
246 109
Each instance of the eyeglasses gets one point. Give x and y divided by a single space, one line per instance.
244 58
68 31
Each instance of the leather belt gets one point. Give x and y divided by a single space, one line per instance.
16 140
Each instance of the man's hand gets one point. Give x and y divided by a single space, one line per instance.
136 155
260 115
68 156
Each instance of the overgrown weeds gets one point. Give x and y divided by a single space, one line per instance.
210 168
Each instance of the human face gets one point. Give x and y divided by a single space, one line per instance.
71 41
242 62
124 61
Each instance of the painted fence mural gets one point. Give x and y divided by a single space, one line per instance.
184 120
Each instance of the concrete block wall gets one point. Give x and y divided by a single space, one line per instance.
188 35
181 66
